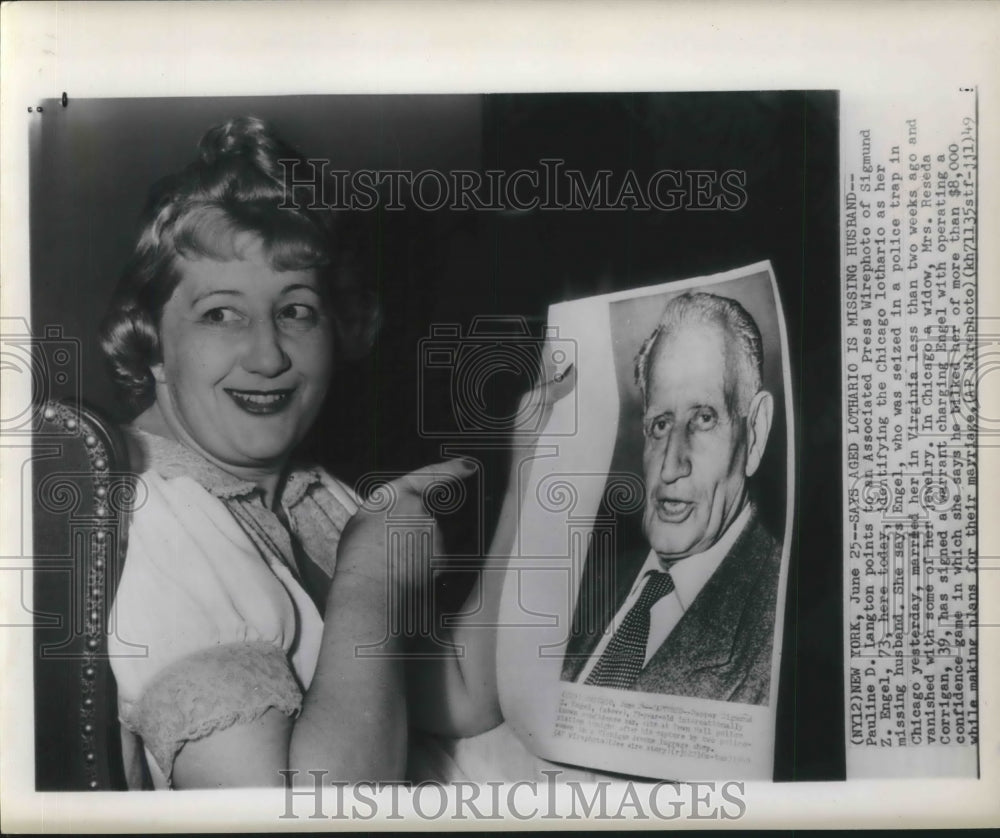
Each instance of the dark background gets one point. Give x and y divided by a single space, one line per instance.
93 162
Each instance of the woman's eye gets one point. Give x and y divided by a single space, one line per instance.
299 314
704 420
221 316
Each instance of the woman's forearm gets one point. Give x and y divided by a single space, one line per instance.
457 694
353 722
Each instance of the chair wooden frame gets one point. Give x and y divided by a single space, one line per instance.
83 493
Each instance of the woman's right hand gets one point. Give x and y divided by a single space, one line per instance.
354 714
353 722
393 536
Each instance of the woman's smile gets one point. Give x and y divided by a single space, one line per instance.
261 402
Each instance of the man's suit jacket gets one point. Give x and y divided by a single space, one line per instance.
721 648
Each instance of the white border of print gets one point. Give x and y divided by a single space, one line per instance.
201 48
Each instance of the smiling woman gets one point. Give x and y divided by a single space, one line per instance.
247 354
249 581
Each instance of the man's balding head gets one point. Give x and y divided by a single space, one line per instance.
745 349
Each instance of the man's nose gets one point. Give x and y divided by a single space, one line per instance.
676 456
265 354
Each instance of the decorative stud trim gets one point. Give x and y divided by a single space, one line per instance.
94 627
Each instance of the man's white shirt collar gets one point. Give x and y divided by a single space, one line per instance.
692 572
689 574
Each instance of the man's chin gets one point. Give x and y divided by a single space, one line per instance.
672 547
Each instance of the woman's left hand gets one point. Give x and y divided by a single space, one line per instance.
534 411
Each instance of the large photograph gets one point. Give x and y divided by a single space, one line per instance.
293 361
699 417
655 537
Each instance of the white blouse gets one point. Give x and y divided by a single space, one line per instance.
212 621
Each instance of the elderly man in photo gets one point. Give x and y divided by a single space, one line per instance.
697 618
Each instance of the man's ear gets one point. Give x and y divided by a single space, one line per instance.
758 427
